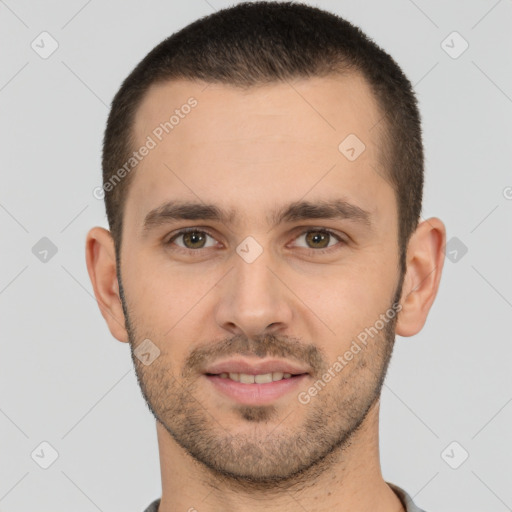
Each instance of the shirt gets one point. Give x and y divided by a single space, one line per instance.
402 496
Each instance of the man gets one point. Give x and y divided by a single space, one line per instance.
263 175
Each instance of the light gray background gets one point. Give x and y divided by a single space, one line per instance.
66 381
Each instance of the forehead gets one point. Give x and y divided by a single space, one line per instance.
331 106
219 143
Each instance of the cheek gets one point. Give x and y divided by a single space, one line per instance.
165 301
341 299
352 297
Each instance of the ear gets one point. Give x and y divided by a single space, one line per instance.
101 265
425 259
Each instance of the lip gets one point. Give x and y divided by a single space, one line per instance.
256 394
240 365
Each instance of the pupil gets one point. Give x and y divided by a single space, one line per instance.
316 237
194 237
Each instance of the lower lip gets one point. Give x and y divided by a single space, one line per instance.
256 394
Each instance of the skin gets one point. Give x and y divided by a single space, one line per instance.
250 151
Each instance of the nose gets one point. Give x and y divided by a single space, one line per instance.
253 301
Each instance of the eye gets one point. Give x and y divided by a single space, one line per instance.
192 239
318 239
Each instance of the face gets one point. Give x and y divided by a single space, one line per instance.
288 259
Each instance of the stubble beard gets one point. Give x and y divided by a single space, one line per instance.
269 452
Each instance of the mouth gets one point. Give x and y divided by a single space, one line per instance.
257 383
261 378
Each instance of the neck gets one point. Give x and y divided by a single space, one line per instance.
349 479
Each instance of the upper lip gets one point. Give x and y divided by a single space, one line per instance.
255 367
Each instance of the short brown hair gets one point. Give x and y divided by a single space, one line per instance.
255 43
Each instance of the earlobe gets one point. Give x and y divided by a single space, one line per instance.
425 259
101 266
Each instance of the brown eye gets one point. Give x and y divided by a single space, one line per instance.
318 239
192 239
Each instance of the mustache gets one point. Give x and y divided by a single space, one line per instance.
262 346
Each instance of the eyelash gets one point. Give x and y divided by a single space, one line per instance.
308 250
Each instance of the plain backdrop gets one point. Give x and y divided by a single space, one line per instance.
67 383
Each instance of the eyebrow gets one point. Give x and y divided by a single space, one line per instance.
337 209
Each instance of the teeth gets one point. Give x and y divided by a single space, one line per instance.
264 378
246 378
